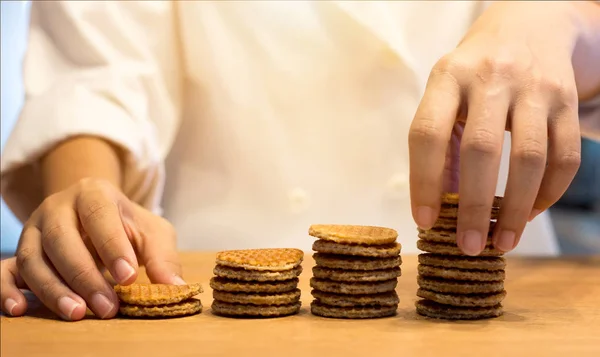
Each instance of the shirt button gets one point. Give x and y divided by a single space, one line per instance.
398 185
299 200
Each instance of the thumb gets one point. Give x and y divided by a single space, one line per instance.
155 242
452 166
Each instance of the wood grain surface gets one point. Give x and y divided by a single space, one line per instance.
552 309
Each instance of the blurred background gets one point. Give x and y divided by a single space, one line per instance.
576 217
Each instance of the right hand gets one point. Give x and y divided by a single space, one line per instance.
72 237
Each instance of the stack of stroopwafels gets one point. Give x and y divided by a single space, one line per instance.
257 282
158 300
452 285
356 272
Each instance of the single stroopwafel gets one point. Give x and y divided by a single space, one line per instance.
183 308
348 262
353 234
238 286
447 312
256 275
276 259
460 274
156 294
241 310
356 275
453 285
340 287
342 300
258 299
379 251
352 312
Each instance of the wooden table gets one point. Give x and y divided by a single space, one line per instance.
552 309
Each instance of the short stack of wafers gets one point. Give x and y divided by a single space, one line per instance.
257 282
356 271
158 300
452 285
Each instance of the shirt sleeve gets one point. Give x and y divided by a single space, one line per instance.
103 68
589 118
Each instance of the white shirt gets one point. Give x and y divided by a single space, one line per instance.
266 117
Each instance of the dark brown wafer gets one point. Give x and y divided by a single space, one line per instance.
183 308
256 275
258 298
340 287
156 294
355 275
462 262
239 310
439 311
460 274
453 249
230 285
379 251
354 312
477 300
345 300
460 287
355 263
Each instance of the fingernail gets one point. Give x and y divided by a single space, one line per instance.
123 270
534 214
425 217
66 305
178 281
506 241
9 305
472 244
102 305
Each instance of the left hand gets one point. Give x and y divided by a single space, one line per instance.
512 71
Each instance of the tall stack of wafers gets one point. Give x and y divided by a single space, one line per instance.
356 272
452 285
257 282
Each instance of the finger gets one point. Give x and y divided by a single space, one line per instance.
428 139
68 254
527 163
13 300
564 158
480 154
42 280
452 167
158 251
101 220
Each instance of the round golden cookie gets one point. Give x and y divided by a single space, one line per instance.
345 300
453 249
355 275
238 310
368 235
339 287
462 262
356 263
236 286
439 311
183 308
257 299
355 312
379 251
156 294
275 259
460 274
256 275
460 287
477 300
